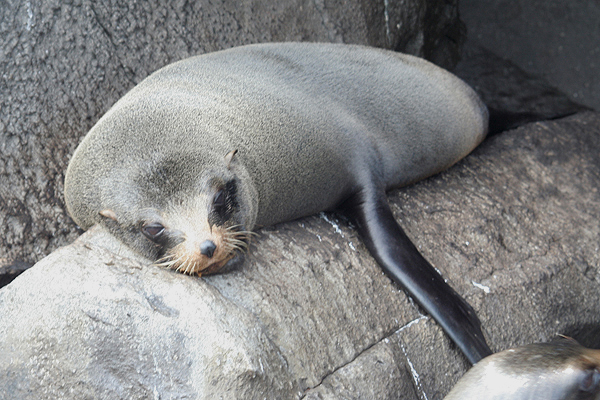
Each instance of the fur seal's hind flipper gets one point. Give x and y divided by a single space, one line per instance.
401 260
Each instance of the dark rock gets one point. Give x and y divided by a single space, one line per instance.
554 39
512 96
9 272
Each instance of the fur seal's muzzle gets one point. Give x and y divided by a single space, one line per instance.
206 256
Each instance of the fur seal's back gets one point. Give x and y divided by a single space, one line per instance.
293 111
201 151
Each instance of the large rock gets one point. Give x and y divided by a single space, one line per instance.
513 227
64 63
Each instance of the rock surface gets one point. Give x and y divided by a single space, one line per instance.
64 63
552 39
513 227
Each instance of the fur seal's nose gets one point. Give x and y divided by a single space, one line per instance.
208 248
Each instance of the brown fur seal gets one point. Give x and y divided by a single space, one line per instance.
559 370
315 127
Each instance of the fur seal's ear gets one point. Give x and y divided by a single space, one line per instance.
229 158
109 214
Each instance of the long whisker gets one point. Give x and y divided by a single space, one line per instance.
237 242
167 261
245 233
191 265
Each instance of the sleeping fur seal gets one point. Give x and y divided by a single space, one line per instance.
559 370
186 164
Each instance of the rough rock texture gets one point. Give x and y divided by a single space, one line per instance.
514 228
554 39
64 63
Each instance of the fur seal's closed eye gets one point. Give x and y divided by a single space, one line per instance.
153 230
222 205
219 200
316 125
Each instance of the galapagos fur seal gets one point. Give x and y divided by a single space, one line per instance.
559 370
187 163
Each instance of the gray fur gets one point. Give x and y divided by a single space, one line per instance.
313 123
559 370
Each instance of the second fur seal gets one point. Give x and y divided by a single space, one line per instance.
559 370
188 162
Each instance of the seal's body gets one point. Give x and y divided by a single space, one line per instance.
559 370
203 150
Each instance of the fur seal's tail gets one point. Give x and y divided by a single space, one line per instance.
401 260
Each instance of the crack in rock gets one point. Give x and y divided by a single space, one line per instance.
367 348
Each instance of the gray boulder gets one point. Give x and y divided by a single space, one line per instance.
513 227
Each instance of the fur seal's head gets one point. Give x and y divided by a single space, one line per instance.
182 213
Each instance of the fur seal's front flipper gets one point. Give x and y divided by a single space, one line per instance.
401 260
